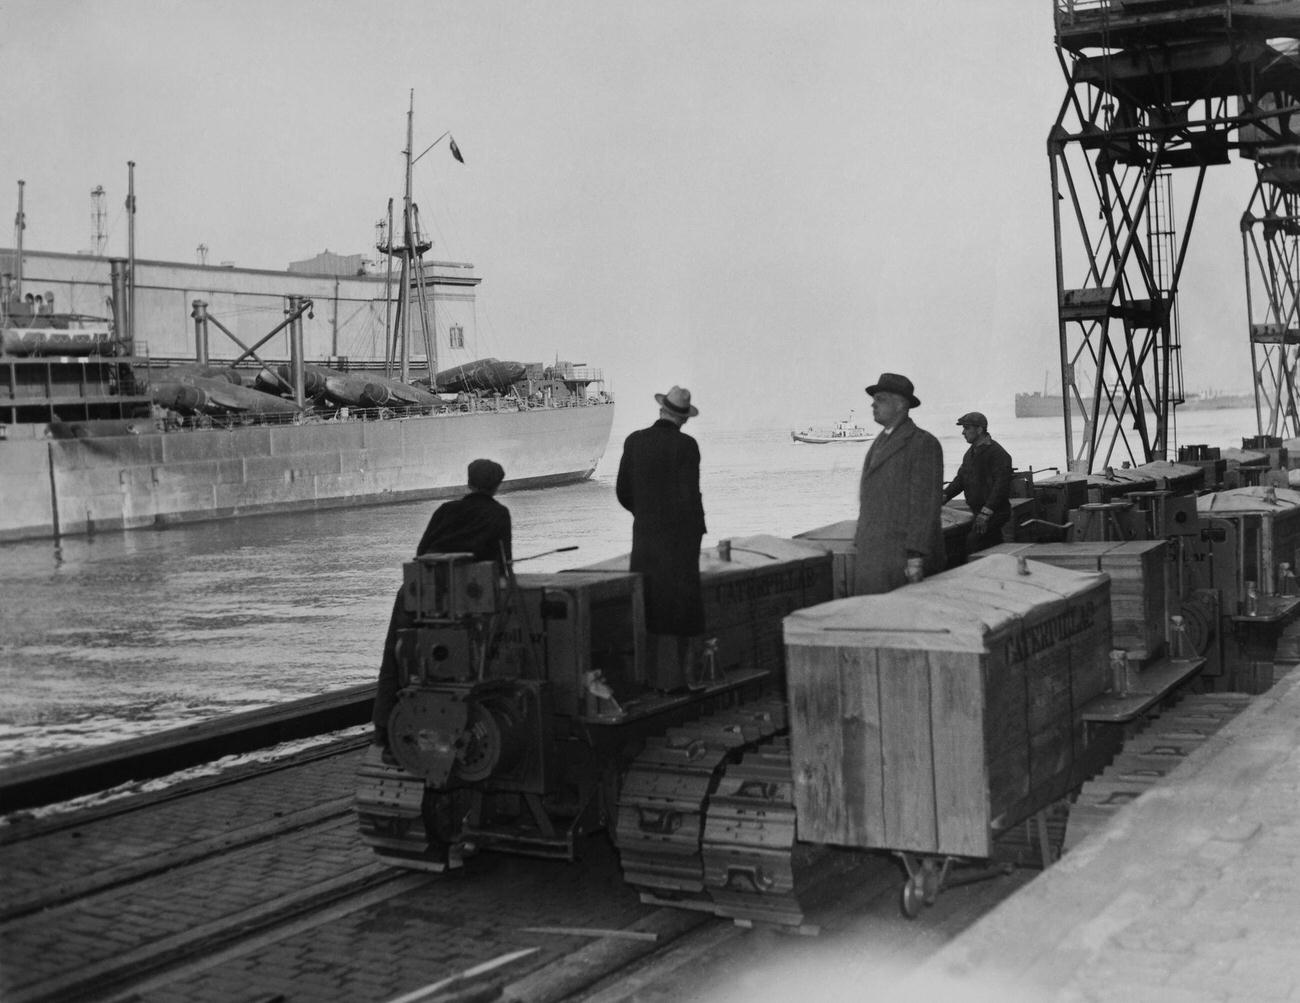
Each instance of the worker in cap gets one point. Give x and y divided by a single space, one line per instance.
985 480
475 524
899 535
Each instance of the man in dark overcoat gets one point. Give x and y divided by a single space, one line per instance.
476 524
659 483
899 536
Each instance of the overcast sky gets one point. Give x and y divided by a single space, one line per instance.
769 203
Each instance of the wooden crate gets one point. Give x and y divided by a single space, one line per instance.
746 597
1140 590
1058 495
1140 596
1267 520
837 539
928 718
1183 478
582 621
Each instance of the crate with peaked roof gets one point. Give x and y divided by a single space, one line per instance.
931 718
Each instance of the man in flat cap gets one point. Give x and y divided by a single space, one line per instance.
659 483
985 479
476 524
899 537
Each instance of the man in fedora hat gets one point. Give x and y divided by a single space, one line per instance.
659 483
985 480
899 536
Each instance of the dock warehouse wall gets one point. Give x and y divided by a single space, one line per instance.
349 311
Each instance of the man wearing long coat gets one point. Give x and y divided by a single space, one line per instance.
899 535
659 483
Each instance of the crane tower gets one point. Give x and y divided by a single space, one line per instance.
1157 89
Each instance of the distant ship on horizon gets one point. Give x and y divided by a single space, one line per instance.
1041 404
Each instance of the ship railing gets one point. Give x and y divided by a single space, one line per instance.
575 374
1068 10
175 421
1083 13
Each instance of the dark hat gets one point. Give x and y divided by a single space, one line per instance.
678 401
485 475
892 383
973 418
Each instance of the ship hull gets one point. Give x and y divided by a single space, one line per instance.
1038 405
138 477
820 440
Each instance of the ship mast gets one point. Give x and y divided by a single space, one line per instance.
20 224
410 275
130 253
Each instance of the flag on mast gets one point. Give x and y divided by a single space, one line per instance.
455 151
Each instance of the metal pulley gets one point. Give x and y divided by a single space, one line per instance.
426 732
450 736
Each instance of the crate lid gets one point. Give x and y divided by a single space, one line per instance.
956 610
1057 479
1243 457
845 530
1261 498
748 553
759 550
1167 472
619 563
951 516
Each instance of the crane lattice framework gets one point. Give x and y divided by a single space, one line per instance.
1155 87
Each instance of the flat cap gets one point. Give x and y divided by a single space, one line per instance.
485 475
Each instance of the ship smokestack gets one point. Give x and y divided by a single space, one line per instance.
121 322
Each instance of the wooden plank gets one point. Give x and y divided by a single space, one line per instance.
1049 695
907 751
816 746
960 781
859 686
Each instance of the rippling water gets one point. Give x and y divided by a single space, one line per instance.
124 634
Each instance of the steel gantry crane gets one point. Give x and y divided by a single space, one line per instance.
1154 88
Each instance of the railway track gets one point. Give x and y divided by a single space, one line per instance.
241 846
153 832
255 885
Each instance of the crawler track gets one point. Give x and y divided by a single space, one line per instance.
706 821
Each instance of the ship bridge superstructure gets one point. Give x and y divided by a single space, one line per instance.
1158 90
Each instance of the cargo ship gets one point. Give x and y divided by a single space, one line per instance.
1041 404
205 392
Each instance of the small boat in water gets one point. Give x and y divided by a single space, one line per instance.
842 431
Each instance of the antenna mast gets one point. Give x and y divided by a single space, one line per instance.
98 237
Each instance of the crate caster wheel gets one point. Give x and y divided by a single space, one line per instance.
911 898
